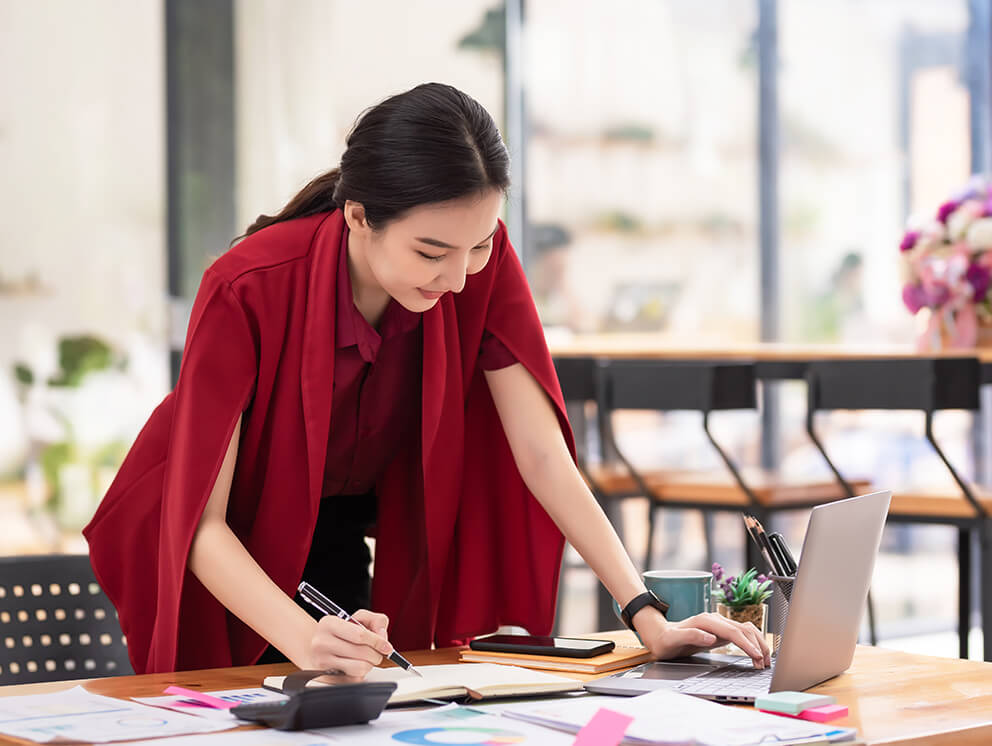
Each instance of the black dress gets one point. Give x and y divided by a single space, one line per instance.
338 563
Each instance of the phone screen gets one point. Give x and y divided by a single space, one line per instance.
543 642
565 646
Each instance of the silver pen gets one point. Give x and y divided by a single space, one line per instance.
322 603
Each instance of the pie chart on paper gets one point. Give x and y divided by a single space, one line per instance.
459 736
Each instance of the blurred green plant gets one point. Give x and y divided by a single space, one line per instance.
78 357
490 34
619 221
629 132
23 374
718 222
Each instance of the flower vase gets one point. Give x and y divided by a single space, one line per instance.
940 331
757 614
983 340
984 335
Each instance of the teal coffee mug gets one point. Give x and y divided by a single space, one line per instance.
687 592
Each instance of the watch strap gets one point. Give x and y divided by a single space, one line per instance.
648 598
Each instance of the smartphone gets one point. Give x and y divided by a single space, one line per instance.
567 647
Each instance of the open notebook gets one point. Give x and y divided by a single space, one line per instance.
476 680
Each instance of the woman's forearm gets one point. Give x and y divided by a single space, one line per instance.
535 437
220 561
539 450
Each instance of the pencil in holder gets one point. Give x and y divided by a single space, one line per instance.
779 608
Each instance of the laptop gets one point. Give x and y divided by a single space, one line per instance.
821 630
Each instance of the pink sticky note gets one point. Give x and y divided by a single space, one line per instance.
824 714
204 699
605 729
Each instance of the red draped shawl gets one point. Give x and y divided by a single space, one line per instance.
461 544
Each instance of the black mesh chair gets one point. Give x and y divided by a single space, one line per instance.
672 386
927 385
55 622
661 385
581 384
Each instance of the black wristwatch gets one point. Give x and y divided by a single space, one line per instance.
639 602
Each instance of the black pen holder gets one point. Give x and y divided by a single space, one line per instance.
779 607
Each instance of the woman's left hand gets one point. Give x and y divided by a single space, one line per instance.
701 632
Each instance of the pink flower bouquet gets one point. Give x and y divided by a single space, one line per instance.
948 263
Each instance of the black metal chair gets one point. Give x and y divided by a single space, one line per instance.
673 386
580 383
704 386
927 385
55 622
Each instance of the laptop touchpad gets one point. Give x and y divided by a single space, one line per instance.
648 677
669 671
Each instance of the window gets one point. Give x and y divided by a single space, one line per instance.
642 166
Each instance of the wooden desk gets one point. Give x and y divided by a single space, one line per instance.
657 346
894 698
773 360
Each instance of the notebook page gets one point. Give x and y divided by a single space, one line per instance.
485 678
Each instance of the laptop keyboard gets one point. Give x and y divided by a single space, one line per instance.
729 681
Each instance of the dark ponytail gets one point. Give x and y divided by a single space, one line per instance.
317 196
430 144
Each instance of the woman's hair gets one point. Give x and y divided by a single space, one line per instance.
430 144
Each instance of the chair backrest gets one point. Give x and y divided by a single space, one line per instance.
926 384
922 384
55 622
670 386
577 377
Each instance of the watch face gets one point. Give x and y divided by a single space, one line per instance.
659 604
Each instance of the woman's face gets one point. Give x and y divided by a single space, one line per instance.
430 250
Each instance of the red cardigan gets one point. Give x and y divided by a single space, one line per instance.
462 545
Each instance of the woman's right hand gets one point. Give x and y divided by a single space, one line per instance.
352 649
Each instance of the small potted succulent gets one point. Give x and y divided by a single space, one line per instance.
742 598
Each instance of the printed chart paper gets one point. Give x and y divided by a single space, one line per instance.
448 726
77 715
451 726
191 707
267 737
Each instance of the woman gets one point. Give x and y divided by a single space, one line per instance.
367 361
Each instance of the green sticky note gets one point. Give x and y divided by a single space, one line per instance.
792 703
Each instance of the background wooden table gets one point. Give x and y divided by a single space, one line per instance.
894 697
